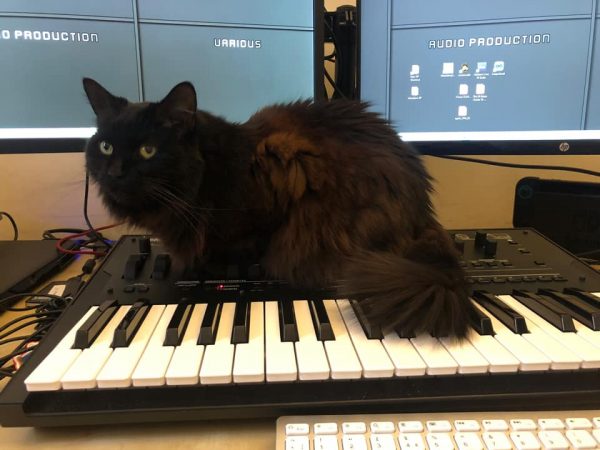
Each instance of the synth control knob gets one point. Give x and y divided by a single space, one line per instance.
144 246
490 248
480 238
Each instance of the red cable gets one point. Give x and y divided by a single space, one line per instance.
60 248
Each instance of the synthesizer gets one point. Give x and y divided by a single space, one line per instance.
145 341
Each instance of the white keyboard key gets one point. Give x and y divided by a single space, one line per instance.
326 443
581 439
342 357
382 442
553 440
354 442
523 425
468 441
296 429
354 427
562 358
310 354
82 373
525 440
217 365
551 424
496 440
382 427
120 365
410 426
440 441
578 423
411 441
438 425
297 443
596 421
500 359
152 366
495 425
373 357
280 356
46 376
596 434
185 363
436 357
404 356
249 361
466 425
326 428
467 357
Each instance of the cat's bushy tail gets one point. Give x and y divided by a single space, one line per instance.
422 290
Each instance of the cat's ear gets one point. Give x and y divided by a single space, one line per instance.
179 105
103 102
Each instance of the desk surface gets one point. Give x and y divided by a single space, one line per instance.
239 435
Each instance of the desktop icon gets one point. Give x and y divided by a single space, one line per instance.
414 91
464 68
448 68
498 66
415 70
480 89
463 89
481 67
462 111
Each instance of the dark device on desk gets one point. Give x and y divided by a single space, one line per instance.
26 264
568 212
137 281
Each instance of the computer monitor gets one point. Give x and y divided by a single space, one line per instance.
473 76
240 55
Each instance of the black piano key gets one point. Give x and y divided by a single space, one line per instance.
482 323
241 323
585 296
405 334
547 309
210 324
132 321
372 331
89 331
287 321
133 266
178 324
320 320
504 313
580 310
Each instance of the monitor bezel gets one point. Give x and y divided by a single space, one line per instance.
74 145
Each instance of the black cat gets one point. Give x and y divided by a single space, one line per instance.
320 193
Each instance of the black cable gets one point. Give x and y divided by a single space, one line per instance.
93 233
14 224
520 166
332 82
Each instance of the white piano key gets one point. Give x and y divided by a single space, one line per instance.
46 376
500 359
469 360
217 365
152 366
435 355
530 358
343 360
310 354
82 374
249 361
280 356
404 356
373 357
120 365
562 358
187 357
588 353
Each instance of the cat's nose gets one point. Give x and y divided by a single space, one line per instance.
115 170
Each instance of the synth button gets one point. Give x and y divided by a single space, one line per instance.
484 280
506 263
551 424
581 439
320 320
582 310
178 324
512 242
578 423
142 288
476 263
499 280
515 279
411 441
553 440
132 321
480 238
529 278
492 263
210 324
523 425
91 328
297 443
495 425
490 247
440 441
496 440
325 428
354 427
544 277
410 426
468 441
162 265
241 322
537 262
559 278
296 429
133 266
546 308
524 251
372 331
466 425
287 321
382 427
504 313
525 440
129 289
382 442
438 426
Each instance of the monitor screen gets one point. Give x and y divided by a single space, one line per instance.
502 77
239 55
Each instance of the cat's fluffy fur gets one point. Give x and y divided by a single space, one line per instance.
320 193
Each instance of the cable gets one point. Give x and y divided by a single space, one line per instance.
335 87
95 235
14 224
60 242
520 166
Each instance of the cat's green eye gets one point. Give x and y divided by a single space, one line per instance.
105 148
147 151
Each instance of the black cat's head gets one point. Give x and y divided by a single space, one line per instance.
144 156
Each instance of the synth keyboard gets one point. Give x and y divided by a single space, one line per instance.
144 342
